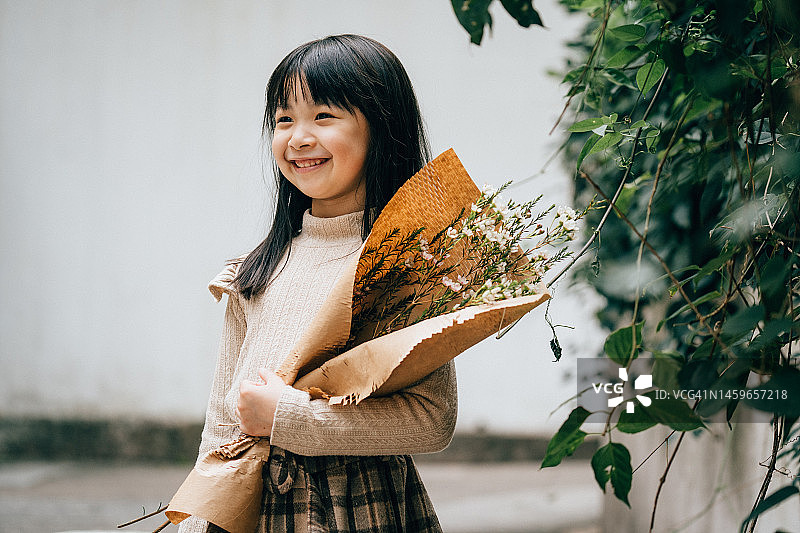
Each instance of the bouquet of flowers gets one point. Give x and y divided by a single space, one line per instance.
445 266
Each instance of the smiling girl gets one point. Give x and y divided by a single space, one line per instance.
346 134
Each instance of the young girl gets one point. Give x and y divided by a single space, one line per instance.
346 134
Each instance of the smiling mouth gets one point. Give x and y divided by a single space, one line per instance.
308 163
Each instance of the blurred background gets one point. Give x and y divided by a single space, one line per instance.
133 167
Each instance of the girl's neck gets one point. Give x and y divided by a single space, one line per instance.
342 205
327 231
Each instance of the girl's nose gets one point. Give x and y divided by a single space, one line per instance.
301 138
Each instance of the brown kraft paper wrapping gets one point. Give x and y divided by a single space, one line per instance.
224 491
432 199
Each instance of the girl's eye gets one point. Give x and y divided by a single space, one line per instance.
283 118
324 115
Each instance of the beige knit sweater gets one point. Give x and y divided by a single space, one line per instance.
260 332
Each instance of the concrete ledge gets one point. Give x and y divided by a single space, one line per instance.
25 439
55 440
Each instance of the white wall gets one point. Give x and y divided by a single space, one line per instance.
131 168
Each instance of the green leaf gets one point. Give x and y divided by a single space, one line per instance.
587 125
774 276
636 125
650 139
649 74
773 500
635 422
523 12
587 146
573 75
626 197
567 439
743 322
613 462
593 123
701 300
625 56
620 346
655 16
606 141
628 32
780 395
473 15
715 264
672 412
665 370
699 373
619 77
772 331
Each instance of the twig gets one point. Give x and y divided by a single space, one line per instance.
160 510
663 480
162 526
777 437
640 253
586 67
666 440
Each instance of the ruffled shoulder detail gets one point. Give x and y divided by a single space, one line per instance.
223 282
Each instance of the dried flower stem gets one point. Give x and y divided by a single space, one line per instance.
144 517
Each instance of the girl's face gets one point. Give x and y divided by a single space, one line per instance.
321 150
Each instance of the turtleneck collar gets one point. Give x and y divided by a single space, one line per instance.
317 231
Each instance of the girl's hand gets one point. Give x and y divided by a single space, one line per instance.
257 403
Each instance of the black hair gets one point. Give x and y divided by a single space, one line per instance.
351 72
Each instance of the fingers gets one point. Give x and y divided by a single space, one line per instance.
267 375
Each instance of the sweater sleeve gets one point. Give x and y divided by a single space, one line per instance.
233 334
418 419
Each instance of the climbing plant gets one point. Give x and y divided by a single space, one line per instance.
683 118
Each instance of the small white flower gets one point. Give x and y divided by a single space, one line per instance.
452 285
566 212
540 255
452 233
426 255
462 280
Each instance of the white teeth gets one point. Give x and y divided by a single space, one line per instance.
309 163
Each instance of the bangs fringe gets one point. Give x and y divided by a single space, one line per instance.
323 81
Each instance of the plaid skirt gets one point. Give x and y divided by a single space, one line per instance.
343 494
